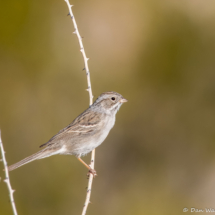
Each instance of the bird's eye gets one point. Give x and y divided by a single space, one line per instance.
113 98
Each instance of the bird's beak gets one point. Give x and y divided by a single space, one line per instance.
123 100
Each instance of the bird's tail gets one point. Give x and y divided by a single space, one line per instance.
39 155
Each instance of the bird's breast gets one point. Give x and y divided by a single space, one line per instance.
108 125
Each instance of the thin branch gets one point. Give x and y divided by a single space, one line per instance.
82 51
89 89
7 179
87 200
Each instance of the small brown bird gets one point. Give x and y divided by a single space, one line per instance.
84 134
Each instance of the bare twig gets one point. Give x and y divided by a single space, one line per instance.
82 51
89 89
7 179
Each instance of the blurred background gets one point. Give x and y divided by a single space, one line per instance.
160 55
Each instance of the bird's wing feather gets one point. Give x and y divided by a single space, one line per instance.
82 124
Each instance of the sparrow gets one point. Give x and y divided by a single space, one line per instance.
84 134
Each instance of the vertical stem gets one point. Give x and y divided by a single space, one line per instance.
82 51
89 89
7 179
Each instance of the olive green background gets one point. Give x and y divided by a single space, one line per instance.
160 55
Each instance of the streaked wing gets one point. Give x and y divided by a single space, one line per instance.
84 123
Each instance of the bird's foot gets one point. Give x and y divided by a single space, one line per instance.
93 172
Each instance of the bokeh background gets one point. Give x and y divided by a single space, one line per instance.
160 55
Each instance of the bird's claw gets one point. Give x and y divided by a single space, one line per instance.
93 172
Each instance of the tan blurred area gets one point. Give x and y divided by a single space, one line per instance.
160 55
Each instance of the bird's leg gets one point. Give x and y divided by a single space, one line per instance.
93 171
